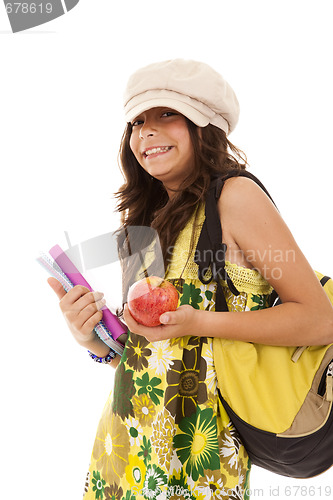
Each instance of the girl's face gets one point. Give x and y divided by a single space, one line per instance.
161 143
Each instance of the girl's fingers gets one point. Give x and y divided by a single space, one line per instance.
91 322
56 287
90 298
177 317
80 307
138 328
74 294
130 321
90 311
78 298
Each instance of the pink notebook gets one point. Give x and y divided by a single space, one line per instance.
62 268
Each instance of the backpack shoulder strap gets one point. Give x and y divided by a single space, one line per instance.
210 251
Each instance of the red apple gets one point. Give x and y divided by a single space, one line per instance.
149 298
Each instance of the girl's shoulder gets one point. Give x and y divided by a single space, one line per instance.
242 196
250 221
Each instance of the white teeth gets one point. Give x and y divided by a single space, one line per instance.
157 150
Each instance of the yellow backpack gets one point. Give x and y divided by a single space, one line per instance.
278 398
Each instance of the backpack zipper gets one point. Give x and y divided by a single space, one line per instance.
324 381
329 382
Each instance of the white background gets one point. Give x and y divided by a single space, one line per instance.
61 122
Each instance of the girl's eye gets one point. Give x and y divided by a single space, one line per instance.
136 122
141 121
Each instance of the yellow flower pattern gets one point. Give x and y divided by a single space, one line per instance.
135 473
111 447
144 408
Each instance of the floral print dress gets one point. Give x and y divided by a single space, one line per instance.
164 434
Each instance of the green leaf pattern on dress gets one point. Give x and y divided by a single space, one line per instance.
191 295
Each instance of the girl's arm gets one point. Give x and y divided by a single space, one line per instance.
305 316
259 234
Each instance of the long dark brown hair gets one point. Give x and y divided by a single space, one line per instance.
143 200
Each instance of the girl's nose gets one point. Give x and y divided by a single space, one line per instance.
147 129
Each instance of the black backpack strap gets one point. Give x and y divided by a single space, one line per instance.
210 251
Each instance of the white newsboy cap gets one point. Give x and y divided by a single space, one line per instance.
190 87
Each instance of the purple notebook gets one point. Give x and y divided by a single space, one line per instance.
111 321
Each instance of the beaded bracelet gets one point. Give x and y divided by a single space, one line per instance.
112 354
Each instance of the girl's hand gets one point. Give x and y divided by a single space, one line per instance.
177 323
81 310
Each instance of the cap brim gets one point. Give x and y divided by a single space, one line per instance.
191 113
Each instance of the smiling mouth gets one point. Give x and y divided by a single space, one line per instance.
154 151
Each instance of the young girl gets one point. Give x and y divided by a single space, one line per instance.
164 433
